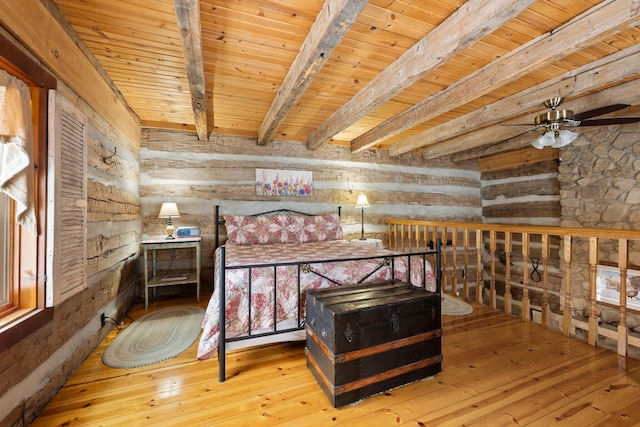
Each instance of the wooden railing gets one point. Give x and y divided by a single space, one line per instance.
483 247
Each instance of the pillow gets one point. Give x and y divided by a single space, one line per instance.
253 230
319 228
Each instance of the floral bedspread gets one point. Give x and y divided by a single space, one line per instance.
243 319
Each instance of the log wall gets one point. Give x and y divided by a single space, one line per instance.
527 193
524 194
197 175
34 369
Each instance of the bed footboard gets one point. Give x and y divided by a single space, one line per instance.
223 269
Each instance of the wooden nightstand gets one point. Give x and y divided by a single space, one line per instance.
376 242
173 279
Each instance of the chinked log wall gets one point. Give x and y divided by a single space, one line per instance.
471 247
197 175
528 193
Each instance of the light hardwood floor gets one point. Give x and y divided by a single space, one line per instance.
497 371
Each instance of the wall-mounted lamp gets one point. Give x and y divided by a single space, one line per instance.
362 203
169 211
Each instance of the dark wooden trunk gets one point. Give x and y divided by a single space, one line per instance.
365 339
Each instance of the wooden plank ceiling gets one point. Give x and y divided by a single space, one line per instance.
438 76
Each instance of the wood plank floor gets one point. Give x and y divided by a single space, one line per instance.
497 371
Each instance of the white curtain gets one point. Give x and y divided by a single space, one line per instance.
16 136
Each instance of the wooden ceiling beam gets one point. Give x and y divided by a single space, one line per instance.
523 157
477 17
188 15
460 134
328 30
513 144
542 51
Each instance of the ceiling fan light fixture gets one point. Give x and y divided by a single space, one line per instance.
564 137
538 143
546 140
555 139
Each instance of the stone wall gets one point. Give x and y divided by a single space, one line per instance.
599 178
599 175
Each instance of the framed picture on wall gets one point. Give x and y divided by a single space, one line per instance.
276 182
608 286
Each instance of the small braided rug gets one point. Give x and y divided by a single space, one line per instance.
154 337
454 307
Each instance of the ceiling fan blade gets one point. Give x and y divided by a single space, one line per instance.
611 121
598 111
527 131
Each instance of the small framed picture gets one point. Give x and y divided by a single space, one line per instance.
608 286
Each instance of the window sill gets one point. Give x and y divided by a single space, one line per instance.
20 325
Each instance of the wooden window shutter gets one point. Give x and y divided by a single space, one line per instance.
67 205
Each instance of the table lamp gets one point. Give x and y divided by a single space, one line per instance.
362 203
169 211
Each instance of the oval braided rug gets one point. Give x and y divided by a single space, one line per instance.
155 337
454 307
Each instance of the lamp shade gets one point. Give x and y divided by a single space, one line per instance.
169 210
545 140
565 137
555 139
362 202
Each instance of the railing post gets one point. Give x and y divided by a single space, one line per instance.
593 268
507 274
425 237
567 317
465 239
545 280
443 237
479 280
410 236
525 278
492 277
454 264
623 333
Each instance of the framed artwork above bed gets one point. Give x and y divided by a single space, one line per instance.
284 183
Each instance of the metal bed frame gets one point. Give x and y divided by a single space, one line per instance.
302 266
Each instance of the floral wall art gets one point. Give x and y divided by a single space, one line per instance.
275 182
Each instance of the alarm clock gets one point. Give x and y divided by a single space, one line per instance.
187 231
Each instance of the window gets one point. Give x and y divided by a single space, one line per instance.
5 249
19 253
22 253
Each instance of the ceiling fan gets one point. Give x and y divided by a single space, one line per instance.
554 120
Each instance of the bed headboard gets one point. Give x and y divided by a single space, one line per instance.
219 220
